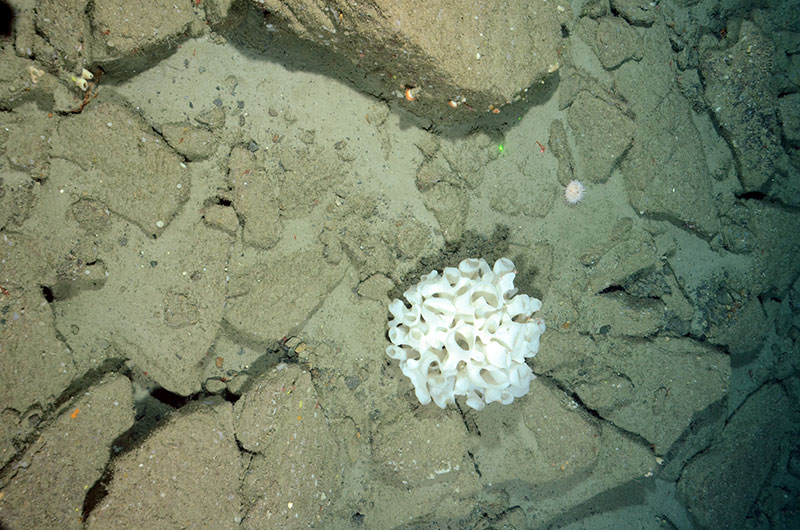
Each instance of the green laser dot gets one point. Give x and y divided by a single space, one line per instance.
500 148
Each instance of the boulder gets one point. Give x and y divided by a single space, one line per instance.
297 461
186 474
452 60
122 37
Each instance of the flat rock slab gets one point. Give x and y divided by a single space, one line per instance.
27 143
615 261
160 306
620 314
777 258
422 448
122 28
29 345
738 92
195 143
482 55
185 475
630 385
789 114
523 438
63 25
123 164
285 181
666 170
256 196
602 135
69 456
615 42
537 451
272 296
421 458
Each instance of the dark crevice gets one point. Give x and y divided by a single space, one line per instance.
574 397
229 396
6 20
47 292
474 463
171 399
753 195
96 493
613 288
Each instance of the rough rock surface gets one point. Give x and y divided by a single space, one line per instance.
180 319
744 456
480 54
789 114
421 457
641 400
654 140
275 285
396 450
195 143
186 474
602 135
68 458
127 167
255 198
30 345
546 419
296 469
666 173
536 437
616 42
738 91
481 57
636 12
778 247
613 261
607 374
281 182
320 202
83 33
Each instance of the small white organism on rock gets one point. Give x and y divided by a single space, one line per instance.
574 192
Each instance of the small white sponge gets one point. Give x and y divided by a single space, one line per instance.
466 334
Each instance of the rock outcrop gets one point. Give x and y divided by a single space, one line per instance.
449 61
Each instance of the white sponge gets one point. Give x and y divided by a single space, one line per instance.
466 334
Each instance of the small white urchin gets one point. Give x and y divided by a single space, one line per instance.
574 192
